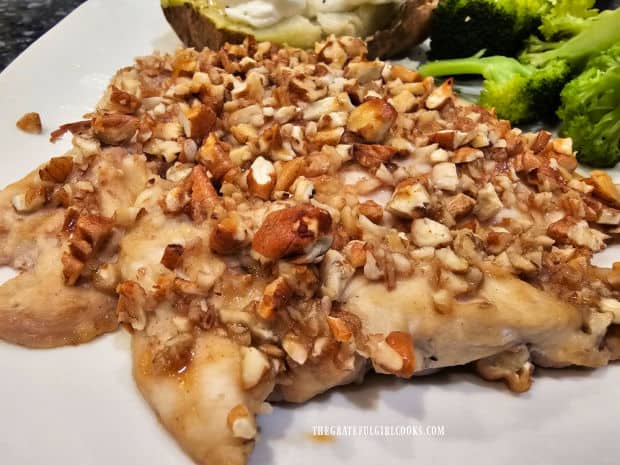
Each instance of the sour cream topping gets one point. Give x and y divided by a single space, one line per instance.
263 13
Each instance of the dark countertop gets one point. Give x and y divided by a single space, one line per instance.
24 21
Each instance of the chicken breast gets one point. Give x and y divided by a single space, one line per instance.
203 404
270 223
37 222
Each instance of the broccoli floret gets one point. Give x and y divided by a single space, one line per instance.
518 92
567 18
595 35
590 110
461 28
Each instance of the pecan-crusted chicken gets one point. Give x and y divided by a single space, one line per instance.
270 223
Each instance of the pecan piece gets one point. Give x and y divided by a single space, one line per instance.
228 236
57 169
122 102
115 128
371 156
299 230
71 268
75 128
131 307
372 120
275 296
214 154
203 195
198 121
173 256
30 122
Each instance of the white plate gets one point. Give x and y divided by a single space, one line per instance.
78 405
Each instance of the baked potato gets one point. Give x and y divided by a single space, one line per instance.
389 27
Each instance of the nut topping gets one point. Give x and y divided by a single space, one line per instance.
372 120
293 231
30 122
173 256
114 128
57 169
261 178
241 422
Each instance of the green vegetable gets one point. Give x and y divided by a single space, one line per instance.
596 34
518 92
461 28
590 110
567 18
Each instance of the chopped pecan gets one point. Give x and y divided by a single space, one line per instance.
498 241
57 169
364 71
261 178
604 187
488 204
173 256
96 229
30 122
122 102
114 128
445 176
371 210
440 95
402 343
214 154
448 138
71 268
198 121
228 236
131 306
302 279
428 233
372 120
295 348
275 296
403 73
460 205
300 230
75 128
203 194
241 423
335 273
409 199
355 251
541 141
31 200
254 366
371 156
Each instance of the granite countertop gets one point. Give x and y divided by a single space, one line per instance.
23 21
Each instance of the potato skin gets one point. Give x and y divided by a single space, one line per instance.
196 30
410 27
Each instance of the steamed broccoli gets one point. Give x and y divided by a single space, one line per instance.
594 35
518 92
461 28
590 110
567 18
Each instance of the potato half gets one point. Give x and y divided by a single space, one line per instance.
390 28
